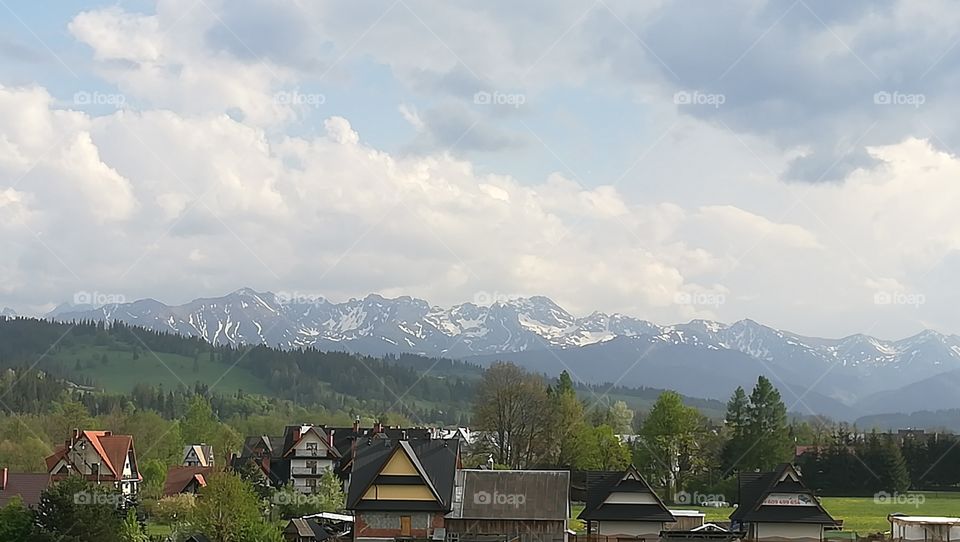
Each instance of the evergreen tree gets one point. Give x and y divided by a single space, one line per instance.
16 521
767 427
737 426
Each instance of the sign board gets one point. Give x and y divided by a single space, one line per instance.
789 499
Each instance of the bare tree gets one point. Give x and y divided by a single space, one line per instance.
512 406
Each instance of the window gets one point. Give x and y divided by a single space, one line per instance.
312 466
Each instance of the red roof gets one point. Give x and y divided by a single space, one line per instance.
112 450
27 486
178 478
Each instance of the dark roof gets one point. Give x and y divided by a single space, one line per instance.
178 478
343 437
27 486
310 528
536 495
601 484
435 459
267 443
756 487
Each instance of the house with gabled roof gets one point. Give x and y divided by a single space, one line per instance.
623 503
533 505
181 480
300 457
197 455
777 505
27 486
402 488
99 457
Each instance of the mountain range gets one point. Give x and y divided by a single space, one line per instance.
843 378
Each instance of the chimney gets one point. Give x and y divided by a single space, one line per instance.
3 478
330 439
76 435
403 435
356 425
377 427
296 434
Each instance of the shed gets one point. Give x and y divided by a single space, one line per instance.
924 528
499 503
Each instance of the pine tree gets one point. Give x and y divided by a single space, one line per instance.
737 424
767 427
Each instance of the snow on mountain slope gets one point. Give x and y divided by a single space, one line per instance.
378 325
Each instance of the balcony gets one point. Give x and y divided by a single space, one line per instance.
309 453
307 471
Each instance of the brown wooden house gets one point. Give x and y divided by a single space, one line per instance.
525 505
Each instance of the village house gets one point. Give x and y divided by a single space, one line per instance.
305 451
318 527
182 480
777 505
528 505
197 455
27 486
300 457
623 505
402 488
99 457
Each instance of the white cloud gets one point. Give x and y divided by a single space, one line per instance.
202 183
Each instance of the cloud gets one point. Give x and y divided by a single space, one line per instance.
206 179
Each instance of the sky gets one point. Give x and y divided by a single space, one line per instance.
789 162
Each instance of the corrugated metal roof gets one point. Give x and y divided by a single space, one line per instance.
512 494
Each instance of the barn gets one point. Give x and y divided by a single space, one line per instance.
524 505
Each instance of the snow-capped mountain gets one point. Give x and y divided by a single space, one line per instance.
538 332
378 324
7 312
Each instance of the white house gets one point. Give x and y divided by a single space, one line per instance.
98 456
778 506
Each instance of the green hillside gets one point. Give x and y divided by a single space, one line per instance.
119 371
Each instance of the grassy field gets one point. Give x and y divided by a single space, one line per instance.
121 372
860 514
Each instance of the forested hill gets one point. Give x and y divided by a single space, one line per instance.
119 358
